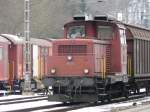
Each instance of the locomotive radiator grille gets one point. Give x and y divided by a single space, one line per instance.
72 50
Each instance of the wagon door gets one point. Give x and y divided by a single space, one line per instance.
12 62
35 61
43 55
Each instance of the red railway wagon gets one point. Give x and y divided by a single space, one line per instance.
40 50
98 60
4 75
15 57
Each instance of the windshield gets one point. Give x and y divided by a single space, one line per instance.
76 31
104 32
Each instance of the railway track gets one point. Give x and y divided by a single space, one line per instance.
40 104
135 98
54 108
28 104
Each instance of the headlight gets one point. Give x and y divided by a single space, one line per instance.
86 71
69 58
53 71
50 87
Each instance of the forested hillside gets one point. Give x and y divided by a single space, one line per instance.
48 16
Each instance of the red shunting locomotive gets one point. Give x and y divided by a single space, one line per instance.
97 60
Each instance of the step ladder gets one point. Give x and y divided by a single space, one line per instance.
100 89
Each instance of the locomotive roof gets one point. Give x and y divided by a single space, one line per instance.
13 38
82 21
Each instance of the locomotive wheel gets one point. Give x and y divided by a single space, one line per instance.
147 91
126 92
66 103
148 88
102 101
109 98
96 102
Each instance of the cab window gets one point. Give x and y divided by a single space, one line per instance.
76 31
104 32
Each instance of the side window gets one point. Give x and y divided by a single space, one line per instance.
122 36
76 31
104 32
1 53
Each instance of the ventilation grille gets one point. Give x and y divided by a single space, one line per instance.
72 50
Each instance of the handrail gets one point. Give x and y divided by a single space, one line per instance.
103 67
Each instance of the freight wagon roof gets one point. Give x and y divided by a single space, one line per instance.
139 32
13 38
4 40
41 42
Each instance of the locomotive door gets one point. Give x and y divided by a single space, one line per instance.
100 59
97 58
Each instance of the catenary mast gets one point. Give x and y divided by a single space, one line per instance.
27 53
